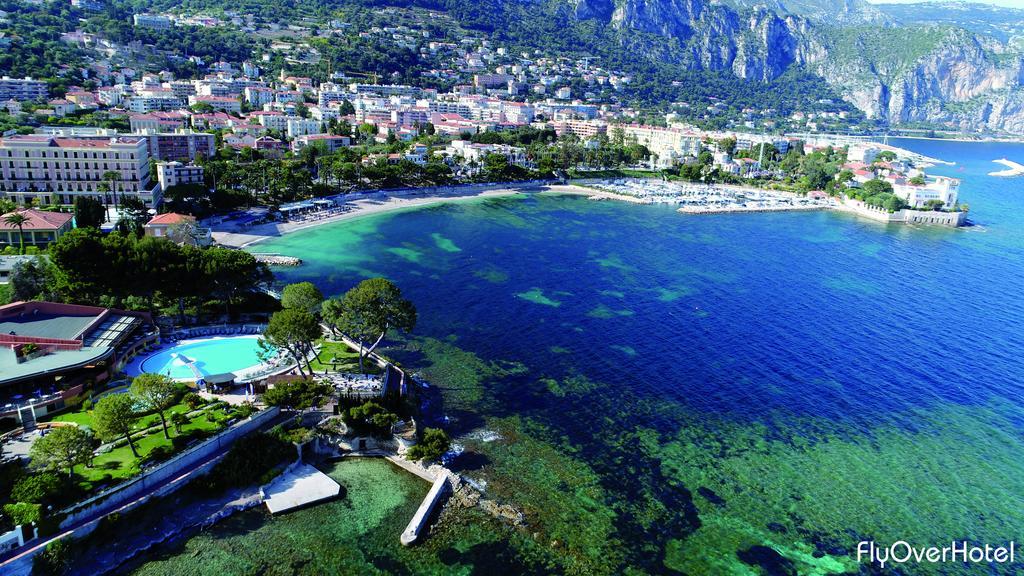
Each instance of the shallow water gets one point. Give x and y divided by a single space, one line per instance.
750 393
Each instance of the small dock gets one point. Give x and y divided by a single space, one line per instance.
297 487
419 520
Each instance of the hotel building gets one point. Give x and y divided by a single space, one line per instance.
56 170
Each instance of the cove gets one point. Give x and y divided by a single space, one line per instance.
749 393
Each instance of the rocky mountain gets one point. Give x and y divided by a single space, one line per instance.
905 72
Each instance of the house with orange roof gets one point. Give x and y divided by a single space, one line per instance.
39 230
178 228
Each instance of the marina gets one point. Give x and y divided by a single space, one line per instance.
709 199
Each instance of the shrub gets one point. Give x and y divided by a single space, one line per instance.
87 404
432 446
39 488
193 400
245 410
54 561
22 512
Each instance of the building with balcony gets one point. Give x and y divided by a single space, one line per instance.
56 170
22 89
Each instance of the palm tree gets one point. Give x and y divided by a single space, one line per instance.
103 188
112 176
18 219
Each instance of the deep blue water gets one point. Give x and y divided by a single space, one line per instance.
794 322
808 313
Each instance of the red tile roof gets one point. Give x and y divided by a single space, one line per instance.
170 218
39 219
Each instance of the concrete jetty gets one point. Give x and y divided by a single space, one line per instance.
420 519
299 486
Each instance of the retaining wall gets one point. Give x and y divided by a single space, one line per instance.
123 493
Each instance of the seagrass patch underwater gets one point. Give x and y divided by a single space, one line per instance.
740 394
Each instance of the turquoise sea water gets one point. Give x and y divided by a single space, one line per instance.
210 356
744 394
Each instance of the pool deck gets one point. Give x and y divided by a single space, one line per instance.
299 486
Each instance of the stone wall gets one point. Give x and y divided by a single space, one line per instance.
123 493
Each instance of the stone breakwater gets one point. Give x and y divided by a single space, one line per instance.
737 209
277 259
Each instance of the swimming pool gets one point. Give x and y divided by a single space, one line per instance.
193 359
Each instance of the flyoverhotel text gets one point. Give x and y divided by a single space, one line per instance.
901 552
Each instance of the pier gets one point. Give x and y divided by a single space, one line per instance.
299 486
420 519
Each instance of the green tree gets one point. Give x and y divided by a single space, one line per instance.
876 187
33 280
233 272
370 418
332 312
370 310
293 330
727 145
431 447
89 212
917 180
134 215
62 448
304 296
157 393
18 220
115 417
83 269
112 177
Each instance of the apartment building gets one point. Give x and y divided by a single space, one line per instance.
170 174
22 89
670 145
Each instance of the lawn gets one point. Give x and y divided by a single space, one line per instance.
348 359
119 463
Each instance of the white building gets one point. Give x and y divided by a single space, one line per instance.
936 188
670 145
56 170
177 174
302 126
149 103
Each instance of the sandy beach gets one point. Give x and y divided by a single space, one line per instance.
228 234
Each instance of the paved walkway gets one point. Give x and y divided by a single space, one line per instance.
299 486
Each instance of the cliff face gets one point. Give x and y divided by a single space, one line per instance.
935 74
